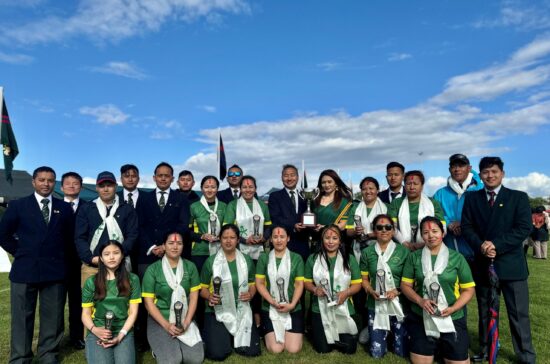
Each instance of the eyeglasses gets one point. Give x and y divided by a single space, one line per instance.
387 227
233 174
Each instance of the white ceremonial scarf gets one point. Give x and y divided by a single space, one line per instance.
434 325
456 187
281 320
109 222
214 246
383 309
236 318
336 319
425 208
246 225
191 335
366 221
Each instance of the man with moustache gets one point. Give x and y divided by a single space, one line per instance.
234 176
186 181
286 208
495 222
37 231
71 185
106 218
395 172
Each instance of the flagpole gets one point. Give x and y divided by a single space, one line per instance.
218 151
303 172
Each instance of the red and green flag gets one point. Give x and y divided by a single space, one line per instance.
7 139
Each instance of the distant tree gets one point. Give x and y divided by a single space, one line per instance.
538 201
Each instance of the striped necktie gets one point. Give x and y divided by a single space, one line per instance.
45 210
162 201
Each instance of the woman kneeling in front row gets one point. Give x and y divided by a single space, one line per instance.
333 276
228 285
280 281
430 279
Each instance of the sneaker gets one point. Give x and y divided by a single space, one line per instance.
364 336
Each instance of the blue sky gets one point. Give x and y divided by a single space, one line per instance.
93 84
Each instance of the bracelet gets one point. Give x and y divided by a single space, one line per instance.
92 328
123 332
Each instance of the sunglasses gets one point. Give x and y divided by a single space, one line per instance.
386 227
233 174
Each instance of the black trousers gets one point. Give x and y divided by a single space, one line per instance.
516 298
24 296
346 345
74 297
218 341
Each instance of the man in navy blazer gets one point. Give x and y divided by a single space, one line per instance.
495 222
234 176
37 231
395 173
286 213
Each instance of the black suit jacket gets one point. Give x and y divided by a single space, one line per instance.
226 195
282 212
385 195
507 224
155 225
88 220
39 250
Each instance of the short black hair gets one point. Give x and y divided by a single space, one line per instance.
370 179
235 166
488 162
417 173
71 174
128 167
43 169
206 178
164 164
433 219
396 165
287 166
250 178
186 172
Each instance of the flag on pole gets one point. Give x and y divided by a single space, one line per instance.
304 180
222 164
7 139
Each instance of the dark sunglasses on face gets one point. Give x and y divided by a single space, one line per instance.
233 174
386 227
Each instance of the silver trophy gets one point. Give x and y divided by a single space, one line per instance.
256 220
358 222
328 292
381 283
109 318
433 295
178 311
213 222
309 194
414 230
217 285
281 288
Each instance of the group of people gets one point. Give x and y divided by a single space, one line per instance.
202 276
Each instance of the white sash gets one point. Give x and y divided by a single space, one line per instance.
456 187
383 309
191 336
236 318
113 230
366 221
336 319
425 208
434 325
215 245
246 225
281 320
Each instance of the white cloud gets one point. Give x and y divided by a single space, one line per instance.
433 184
208 108
21 59
107 114
114 20
522 15
123 69
395 57
535 184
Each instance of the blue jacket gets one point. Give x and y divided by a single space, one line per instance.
452 208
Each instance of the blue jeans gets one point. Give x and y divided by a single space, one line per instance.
378 345
123 353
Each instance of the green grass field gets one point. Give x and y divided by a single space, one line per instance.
540 326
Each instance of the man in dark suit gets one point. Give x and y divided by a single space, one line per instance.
186 181
495 222
286 208
71 185
37 231
110 219
395 173
234 176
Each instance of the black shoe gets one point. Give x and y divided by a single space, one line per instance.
480 357
78 344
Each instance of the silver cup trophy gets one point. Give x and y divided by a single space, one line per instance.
109 318
414 231
309 194
213 222
281 288
178 311
256 221
381 283
433 294
328 292
217 285
358 222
